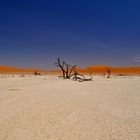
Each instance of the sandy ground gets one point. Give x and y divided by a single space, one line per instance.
48 108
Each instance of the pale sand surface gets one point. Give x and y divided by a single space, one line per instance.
48 108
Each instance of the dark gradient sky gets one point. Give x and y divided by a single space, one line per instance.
34 33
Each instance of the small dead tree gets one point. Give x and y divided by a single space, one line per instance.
72 70
36 73
61 66
80 78
67 69
108 69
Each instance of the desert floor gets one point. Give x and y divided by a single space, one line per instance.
48 108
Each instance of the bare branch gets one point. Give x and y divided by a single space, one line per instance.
108 69
69 71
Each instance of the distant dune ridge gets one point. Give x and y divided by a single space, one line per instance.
115 70
88 70
12 70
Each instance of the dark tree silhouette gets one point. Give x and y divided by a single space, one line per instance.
108 69
36 73
70 71
61 66
67 69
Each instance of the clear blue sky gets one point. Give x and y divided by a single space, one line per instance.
34 33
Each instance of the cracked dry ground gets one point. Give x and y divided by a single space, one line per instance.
47 108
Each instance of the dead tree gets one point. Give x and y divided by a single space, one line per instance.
77 76
36 73
70 71
108 69
80 78
67 69
61 66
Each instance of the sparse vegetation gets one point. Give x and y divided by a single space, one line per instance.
70 71
67 69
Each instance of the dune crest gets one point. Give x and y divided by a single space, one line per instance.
87 70
9 70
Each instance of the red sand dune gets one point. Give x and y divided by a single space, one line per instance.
11 70
89 70
4 69
102 70
114 70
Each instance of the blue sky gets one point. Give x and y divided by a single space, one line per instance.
34 33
